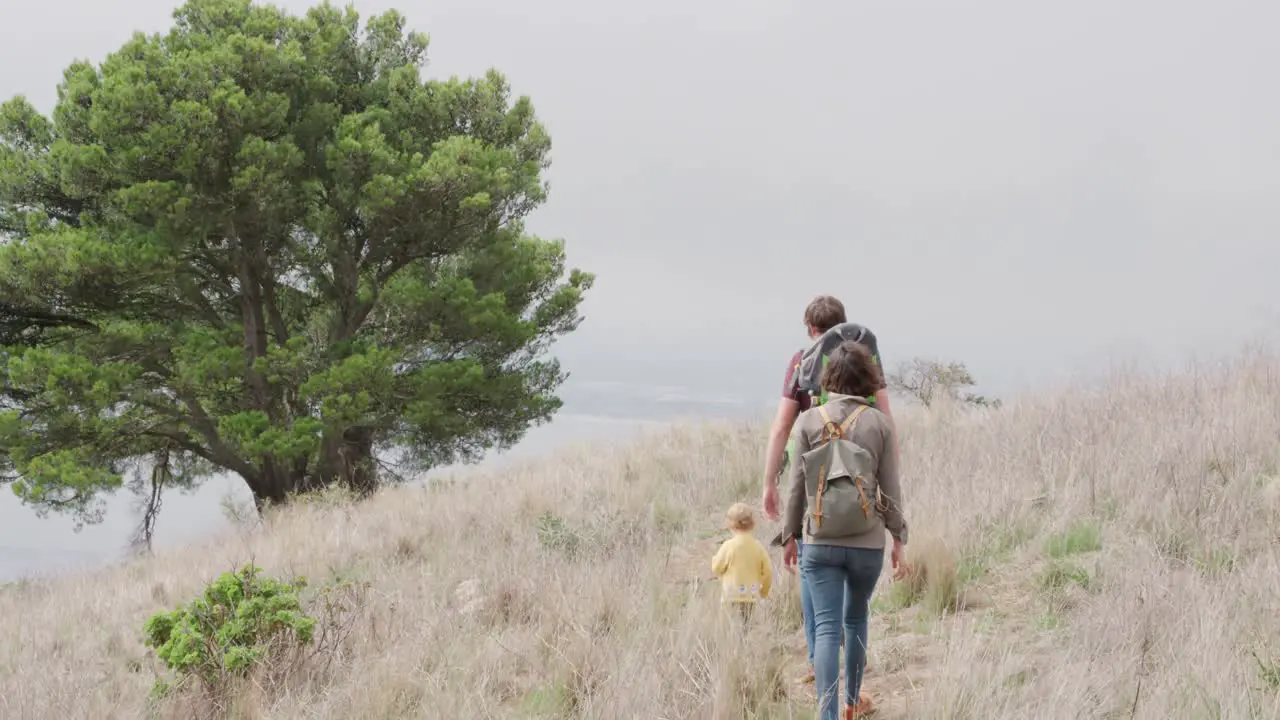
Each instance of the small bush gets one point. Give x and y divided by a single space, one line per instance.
239 621
556 535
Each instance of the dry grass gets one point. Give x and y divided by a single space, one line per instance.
1107 554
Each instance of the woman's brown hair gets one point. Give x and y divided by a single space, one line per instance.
851 370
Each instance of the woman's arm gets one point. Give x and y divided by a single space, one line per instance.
890 485
794 525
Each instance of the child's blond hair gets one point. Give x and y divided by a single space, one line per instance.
740 518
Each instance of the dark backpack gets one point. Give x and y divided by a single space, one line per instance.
813 360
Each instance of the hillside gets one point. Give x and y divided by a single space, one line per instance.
1100 554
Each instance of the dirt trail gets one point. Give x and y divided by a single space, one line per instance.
902 659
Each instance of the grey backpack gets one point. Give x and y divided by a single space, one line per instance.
814 359
840 482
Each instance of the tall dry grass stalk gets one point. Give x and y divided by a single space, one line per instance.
1111 553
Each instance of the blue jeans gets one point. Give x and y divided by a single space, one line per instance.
806 604
840 582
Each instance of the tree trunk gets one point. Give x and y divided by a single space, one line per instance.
273 485
347 458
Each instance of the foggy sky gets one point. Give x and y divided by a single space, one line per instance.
1032 188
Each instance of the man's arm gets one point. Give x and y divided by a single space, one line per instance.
882 403
793 516
779 433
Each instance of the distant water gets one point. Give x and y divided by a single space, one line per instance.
31 546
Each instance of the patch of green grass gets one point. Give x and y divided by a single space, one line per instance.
1215 562
991 544
1059 575
972 569
898 596
1048 621
1081 537
547 701
1268 671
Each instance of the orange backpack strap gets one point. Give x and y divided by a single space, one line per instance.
848 423
829 429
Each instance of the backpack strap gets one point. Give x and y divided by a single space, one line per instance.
852 420
831 430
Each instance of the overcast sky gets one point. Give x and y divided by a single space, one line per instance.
1029 187
1033 188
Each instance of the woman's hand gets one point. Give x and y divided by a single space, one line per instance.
789 555
900 569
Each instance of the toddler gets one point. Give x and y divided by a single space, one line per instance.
742 563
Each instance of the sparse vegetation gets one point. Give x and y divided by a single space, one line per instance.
1057 579
928 381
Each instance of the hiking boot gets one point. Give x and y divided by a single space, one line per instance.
862 709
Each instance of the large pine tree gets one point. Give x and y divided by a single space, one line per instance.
262 243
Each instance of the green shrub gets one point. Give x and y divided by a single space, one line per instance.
239 621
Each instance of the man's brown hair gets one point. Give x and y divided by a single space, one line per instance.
824 312
852 371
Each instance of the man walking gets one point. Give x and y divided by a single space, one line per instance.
822 314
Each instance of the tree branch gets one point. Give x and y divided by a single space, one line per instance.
220 454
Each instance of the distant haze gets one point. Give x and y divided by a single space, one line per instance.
1033 188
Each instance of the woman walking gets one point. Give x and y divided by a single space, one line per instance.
844 496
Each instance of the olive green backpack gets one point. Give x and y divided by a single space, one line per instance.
840 482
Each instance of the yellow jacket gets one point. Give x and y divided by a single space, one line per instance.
744 569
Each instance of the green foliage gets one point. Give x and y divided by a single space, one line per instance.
1059 574
264 244
1081 537
557 535
1269 671
240 619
